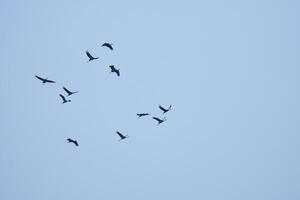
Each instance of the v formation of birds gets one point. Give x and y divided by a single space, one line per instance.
65 98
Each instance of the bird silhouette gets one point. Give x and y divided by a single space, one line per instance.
44 80
69 92
64 99
142 114
108 45
122 137
165 110
72 141
90 56
159 121
113 69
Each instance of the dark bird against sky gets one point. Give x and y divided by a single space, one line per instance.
122 137
69 92
90 56
64 99
159 121
72 141
142 114
108 45
165 110
113 69
44 80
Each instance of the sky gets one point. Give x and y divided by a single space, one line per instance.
229 68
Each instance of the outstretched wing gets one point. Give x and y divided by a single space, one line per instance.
108 45
162 108
40 78
62 96
89 55
50 81
157 119
67 91
120 134
117 72
75 142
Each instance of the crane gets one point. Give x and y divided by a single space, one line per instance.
72 141
113 69
44 80
165 110
69 92
108 45
90 56
122 137
159 121
64 99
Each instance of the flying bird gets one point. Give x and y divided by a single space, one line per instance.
69 92
142 114
108 45
113 69
90 56
72 141
64 99
159 121
165 110
122 136
44 80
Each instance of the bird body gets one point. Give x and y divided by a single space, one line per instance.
108 45
90 56
44 80
72 141
142 114
113 69
165 110
69 92
159 121
64 99
122 137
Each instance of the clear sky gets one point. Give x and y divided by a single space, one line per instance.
229 68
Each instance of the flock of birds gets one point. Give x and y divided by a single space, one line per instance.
113 70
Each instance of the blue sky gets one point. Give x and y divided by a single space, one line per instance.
229 68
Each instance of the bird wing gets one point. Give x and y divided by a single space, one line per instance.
157 119
163 109
40 78
75 142
118 72
143 114
112 67
50 81
120 134
67 91
62 96
108 46
89 55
